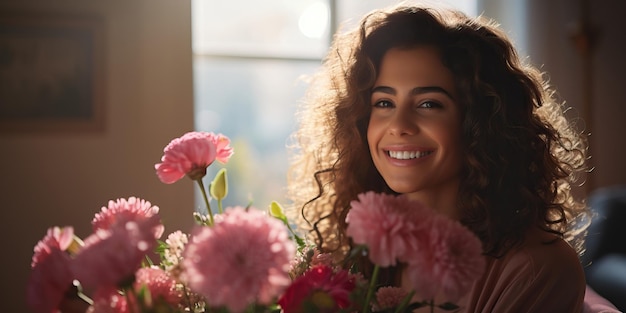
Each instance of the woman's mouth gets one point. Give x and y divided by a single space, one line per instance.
407 155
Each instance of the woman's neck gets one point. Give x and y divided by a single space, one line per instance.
443 201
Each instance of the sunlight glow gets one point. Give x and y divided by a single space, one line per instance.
314 20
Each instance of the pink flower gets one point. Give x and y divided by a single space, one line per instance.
109 300
49 279
320 258
191 154
56 239
386 224
224 151
161 285
50 276
449 260
111 257
321 288
388 297
173 254
122 211
244 257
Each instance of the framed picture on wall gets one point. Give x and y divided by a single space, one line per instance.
51 73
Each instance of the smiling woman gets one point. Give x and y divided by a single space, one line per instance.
432 105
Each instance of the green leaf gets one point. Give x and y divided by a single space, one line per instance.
276 210
448 306
219 186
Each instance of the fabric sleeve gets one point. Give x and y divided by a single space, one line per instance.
549 278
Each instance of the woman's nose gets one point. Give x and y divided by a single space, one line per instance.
403 123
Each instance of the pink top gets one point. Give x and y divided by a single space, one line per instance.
535 277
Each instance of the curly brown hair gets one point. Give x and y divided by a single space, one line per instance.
522 154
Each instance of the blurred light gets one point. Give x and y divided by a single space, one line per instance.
314 20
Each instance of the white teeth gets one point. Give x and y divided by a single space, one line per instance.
407 155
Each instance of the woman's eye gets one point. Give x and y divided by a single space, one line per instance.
429 105
383 104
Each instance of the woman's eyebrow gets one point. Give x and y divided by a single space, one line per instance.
414 91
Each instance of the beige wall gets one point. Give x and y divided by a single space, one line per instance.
63 179
551 43
544 29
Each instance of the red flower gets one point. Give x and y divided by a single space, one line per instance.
321 288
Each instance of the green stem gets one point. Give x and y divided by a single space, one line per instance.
219 206
186 293
370 290
206 200
130 292
85 298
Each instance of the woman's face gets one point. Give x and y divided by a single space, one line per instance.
415 125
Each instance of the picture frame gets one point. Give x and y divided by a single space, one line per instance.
51 73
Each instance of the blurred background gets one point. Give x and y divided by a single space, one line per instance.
147 71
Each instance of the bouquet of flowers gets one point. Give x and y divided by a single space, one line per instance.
243 259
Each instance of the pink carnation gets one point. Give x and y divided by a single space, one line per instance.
386 224
49 279
110 257
50 276
223 150
56 239
320 287
244 257
191 154
449 261
110 301
122 211
161 285
388 298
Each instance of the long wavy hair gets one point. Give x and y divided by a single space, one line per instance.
522 155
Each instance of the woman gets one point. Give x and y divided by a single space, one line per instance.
436 105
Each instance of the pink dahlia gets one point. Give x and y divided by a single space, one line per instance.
191 154
386 225
49 280
161 285
122 211
242 259
448 262
320 287
110 257
388 298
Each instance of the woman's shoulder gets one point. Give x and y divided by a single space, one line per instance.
540 254
543 274
542 251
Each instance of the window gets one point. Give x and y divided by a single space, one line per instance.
249 57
